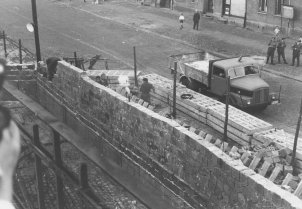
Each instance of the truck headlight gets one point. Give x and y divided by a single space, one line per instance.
248 102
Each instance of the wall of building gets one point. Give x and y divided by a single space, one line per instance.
180 165
266 21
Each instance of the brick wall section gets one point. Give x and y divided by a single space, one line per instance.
192 169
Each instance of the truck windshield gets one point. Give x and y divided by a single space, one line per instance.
242 71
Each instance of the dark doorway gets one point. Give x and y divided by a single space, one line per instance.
210 6
165 3
226 7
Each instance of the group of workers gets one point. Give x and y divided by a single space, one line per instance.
278 43
145 88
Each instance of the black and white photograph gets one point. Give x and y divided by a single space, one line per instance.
150 104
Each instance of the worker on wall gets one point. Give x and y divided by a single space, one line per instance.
145 90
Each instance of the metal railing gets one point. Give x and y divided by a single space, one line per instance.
55 162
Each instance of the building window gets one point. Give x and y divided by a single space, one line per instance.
278 4
262 5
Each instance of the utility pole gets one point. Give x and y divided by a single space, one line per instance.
135 68
75 59
174 90
225 133
296 138
36 30
4 44
20 51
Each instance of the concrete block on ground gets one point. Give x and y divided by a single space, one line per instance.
217 143
275 173
209 138
287 179
254 163
264 168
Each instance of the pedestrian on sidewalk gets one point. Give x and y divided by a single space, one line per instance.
280 50
181 20
271 50
296 52
196 18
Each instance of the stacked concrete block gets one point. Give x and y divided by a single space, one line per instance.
240 124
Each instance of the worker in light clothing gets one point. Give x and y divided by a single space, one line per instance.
145 90
181 20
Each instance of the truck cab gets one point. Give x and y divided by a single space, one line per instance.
247 88
200 71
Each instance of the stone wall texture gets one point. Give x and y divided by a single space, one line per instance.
192 171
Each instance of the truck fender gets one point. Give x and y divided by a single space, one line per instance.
233 100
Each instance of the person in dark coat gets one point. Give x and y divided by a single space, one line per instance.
196 18
271 50
280 50
102 80
296 52
145 89
52 63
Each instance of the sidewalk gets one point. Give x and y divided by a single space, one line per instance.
213 36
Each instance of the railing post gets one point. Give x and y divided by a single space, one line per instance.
58 160
20 51
135 67
75 59
83 176
4 44
38 168
174 90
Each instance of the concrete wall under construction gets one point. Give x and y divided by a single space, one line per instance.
181 167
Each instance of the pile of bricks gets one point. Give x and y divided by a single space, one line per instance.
241 125
284 140
270 160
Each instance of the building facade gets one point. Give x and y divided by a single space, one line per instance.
257 14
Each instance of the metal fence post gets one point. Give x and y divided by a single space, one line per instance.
4 44
83 176
174 90
20 51
38 168
58 160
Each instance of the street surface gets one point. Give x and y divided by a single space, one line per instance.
113 28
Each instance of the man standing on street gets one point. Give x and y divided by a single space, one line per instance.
280 50
271 50
296 52
145 90
196 18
